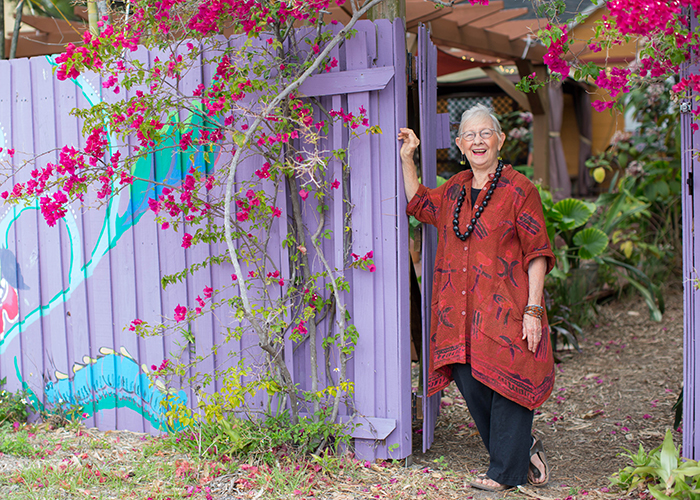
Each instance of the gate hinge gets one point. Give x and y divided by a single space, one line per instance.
686 107
689 182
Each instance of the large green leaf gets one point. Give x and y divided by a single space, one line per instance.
668 460
650 292
574 213
591 242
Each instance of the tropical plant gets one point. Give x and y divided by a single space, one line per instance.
662 471
581 233
645 191
571 281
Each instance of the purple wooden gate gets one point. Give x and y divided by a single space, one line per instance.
427 92
691 264
68 292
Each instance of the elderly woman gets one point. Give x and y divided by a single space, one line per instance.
489 330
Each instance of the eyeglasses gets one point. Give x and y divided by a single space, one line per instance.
485 134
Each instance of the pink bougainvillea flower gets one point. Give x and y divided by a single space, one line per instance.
180 313
234 277
134 324
11 152
276 212
304 194
336 184
601 106
187 240
207 292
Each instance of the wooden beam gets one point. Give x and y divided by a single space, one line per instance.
498 17
526 68
465 14
518 28
423 13
53 25
41 44
446 32
508 87
81 12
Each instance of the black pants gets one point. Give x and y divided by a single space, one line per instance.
505 427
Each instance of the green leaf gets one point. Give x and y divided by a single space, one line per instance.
648 298
658 494
668 459
648 292
693 470
592 242
558 274
574 213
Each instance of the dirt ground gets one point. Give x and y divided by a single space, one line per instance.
618 392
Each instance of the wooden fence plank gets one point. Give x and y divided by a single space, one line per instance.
78 333
347 82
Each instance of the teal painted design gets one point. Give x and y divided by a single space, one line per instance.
113 380
161 166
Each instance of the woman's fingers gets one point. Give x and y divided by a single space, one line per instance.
532 331
408 136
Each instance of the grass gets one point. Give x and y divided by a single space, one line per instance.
80 463
85 464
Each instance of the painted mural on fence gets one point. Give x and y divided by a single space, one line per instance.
113 379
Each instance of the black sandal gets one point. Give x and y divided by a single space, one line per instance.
538 449
485 487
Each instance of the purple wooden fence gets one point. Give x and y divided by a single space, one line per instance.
427 94
691 263
68 292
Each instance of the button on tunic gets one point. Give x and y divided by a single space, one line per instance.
481 289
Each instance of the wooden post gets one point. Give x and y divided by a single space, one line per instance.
15 33
539 106
388 9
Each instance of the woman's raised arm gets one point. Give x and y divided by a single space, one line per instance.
410 178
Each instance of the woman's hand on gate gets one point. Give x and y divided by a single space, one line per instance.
410 143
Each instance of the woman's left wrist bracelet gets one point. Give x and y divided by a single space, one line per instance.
534 310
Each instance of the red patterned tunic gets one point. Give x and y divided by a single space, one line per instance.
480 287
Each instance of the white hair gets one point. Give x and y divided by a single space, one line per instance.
479 111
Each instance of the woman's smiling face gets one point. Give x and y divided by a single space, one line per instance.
481 153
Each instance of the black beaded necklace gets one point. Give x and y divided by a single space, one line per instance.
479 209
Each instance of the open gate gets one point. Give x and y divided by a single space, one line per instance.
691 262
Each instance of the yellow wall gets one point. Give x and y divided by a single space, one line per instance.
569 135
605 124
